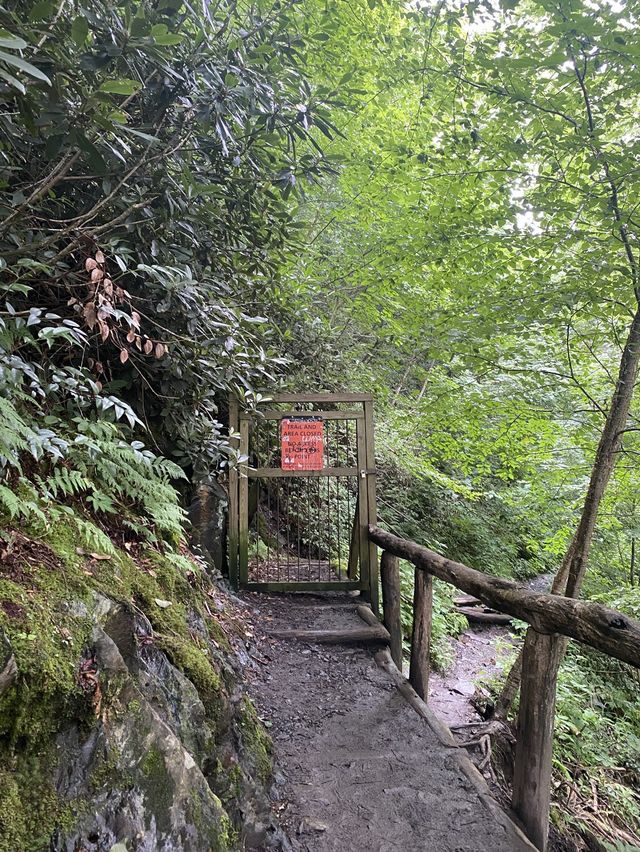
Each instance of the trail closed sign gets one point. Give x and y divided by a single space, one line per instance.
302 443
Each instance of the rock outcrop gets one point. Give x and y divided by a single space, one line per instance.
123 723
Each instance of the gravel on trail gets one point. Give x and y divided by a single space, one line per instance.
356 767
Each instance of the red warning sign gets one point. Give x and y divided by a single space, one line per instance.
302 443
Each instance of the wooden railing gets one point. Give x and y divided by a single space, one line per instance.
550 617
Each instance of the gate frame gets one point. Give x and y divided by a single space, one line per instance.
366 507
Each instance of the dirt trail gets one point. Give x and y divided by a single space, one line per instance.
480 652
359 769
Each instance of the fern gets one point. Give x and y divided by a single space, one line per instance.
15 435
93 538
22 503
64 482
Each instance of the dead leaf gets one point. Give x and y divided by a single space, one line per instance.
135 319
89 314
97 274
90 264
99 257
124 356
161 603
148 346
160 350
131 336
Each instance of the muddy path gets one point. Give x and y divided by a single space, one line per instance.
357 767
479 654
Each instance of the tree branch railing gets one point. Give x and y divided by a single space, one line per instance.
549 617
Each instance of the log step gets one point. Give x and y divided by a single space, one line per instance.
335 637
466 600
484 615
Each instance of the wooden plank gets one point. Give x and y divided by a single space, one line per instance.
420 664
591 623
232 535
278 473
363 538
311 586
534 744
354 545
372 508
243 507
321 397
282 415
390 576
335 637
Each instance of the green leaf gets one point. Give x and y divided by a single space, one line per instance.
25 66
11 41
41 11
168 39
120 87
139 133
80 30
13 81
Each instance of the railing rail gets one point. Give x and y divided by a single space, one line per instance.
550 617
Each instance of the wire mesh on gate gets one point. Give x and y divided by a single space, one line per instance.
301 527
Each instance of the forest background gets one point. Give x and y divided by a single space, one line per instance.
433 201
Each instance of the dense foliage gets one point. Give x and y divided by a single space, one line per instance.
147 154
466 247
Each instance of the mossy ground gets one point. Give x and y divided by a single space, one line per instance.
47 595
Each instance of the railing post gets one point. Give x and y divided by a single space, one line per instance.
390 576
421 633
541 659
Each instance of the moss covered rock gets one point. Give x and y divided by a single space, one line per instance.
122 718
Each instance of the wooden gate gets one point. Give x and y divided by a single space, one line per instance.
303 495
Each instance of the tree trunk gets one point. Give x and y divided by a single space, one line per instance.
568 580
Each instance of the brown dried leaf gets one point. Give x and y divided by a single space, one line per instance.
148 346
104 330
89 314
99 367
97 274
135 319
124 356
108 286
138 342
119 293
131 336
90 264
99 257
160 350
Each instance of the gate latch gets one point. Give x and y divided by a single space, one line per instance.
368 471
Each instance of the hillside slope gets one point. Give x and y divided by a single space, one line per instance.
122 718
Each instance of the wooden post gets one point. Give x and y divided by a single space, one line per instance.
534 748
243 507
354 546
233 498
366 569
390 574
421 633
372 508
